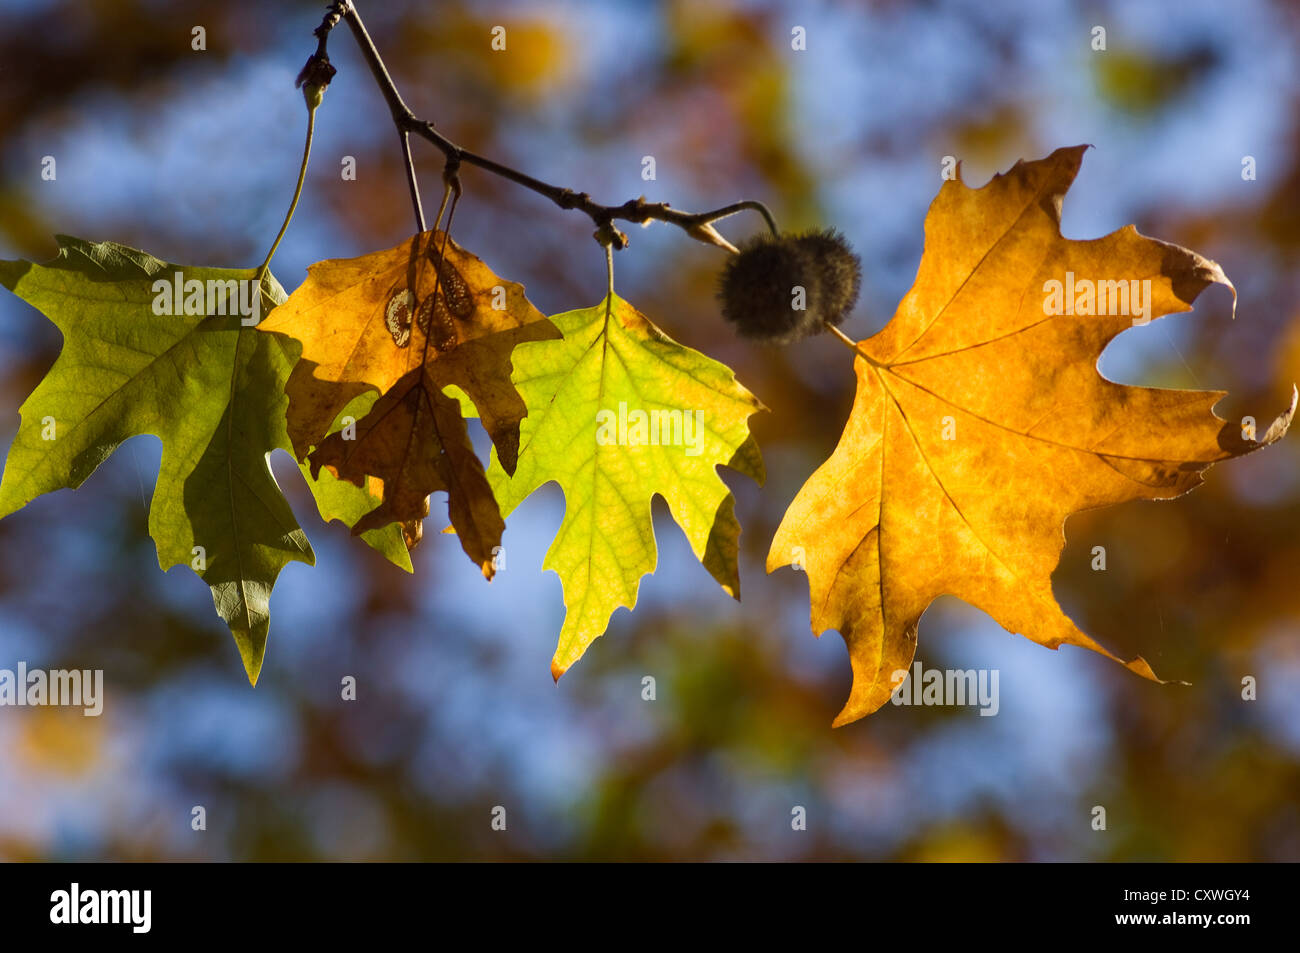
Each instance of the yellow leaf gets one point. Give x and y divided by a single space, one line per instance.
620 412
981 423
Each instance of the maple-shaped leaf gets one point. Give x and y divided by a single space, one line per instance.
156 348
409 322
617 413
981 422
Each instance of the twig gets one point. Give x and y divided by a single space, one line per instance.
699 225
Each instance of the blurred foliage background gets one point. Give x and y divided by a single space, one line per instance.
192 156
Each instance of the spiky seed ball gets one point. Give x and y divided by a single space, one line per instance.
840 272
758 286
757 289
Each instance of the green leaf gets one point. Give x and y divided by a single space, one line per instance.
209 387
583 395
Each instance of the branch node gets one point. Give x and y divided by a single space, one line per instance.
608 235
451 173
314 77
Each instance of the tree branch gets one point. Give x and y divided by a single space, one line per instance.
699 225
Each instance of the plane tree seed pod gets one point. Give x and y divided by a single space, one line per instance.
782 288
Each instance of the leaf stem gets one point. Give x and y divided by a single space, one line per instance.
297 194
851 344
411 181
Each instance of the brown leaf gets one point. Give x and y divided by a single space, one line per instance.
981 423
409 322
414 441
370 321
